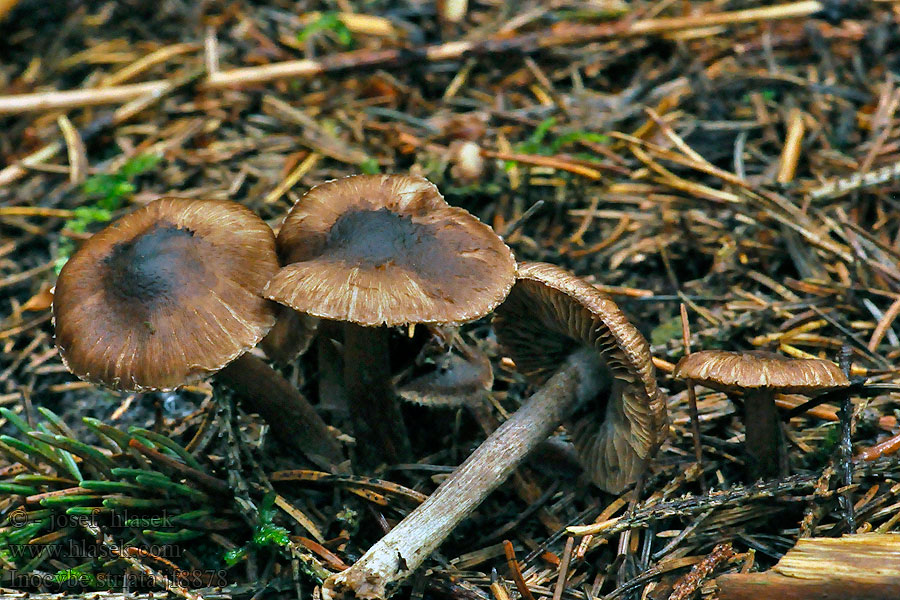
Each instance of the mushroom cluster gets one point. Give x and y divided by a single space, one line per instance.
184 289
566 335
172 293
377 251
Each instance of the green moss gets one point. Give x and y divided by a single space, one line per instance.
542 142
265 535
330 22
370 166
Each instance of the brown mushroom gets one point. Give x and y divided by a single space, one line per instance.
171 293
759 376
582 330
551 314
375 251
460 375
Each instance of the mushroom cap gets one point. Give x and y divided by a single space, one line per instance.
549 314
455 381
734 371
387 250
165 295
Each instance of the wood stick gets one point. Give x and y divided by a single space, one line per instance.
790 154
769 13
17 170
753 586
20 103
861 567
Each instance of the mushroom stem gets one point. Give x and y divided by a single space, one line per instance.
406 546
330 366
375 412
764 439
293 419
291 335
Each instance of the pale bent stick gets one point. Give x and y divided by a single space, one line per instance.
19 103
399 553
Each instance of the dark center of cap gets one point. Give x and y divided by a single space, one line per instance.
375 238
153 267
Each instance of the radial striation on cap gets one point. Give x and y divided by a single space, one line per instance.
549 314
165 295
730 371
387 250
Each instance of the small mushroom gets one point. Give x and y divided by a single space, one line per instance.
461 375
759 376
468 163
171 293
376 251
582 330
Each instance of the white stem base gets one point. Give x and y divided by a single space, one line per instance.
399 553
